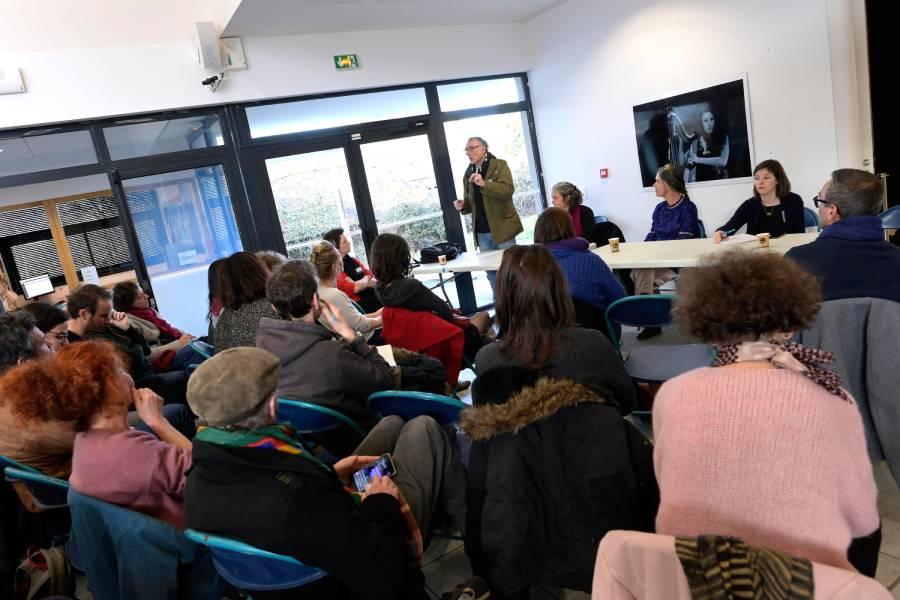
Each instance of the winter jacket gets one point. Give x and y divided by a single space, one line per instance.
317 368
550 472
497 196
289 505
239 327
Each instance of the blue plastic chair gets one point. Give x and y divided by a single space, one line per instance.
47 492
810 218
650 362
127 554
409 405
600 219
701 230
890 219
249 568
307 417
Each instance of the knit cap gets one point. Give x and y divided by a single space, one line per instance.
232 385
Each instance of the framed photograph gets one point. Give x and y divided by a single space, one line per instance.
706 132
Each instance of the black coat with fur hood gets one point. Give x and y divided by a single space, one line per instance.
550 473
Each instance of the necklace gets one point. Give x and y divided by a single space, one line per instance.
770 210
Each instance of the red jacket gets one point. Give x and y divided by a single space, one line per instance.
427 333
347 285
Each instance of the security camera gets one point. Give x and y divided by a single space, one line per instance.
213 82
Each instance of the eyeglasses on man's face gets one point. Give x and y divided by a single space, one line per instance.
472 148
819 201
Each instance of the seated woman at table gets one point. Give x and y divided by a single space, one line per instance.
355 280
766 445
675 218
590 279
327 262
537 329
566 196
773 209
396 288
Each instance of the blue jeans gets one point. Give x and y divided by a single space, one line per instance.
486 244
179 416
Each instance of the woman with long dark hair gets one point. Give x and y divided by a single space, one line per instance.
537 328
241 287
707 158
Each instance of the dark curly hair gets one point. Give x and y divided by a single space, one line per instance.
291 288
46 316
16 342
390 258
743 295
124 295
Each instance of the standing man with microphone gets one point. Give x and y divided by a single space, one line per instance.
488 196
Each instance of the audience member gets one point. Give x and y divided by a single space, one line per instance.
590 279
316 367
536 320
765 446
52 321
675 218
110 461
773 209
241 287
212 285
549 457
567 197
91 317
27 433
328 265
850 257
396 288
354 279
271 259
245 464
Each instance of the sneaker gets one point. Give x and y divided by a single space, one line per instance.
473 589
649 332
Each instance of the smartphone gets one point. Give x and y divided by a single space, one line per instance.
382 466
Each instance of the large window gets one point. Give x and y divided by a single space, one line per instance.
160 137
26 153
336 111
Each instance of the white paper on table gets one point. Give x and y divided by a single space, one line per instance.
387 353
740 238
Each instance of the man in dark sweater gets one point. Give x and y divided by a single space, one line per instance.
850 257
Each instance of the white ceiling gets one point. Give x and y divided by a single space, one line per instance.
287 17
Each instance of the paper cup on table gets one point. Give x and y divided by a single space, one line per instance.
613 244
442 259
763 239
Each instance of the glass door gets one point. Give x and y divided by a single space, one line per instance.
312 194
183 221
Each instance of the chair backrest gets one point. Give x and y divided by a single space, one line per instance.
587 316
127 554
250 568
701 230
5 461
600 219
409 405
890 219
47 492
649 310
810 218
307 417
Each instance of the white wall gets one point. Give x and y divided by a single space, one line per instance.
66 84
594 61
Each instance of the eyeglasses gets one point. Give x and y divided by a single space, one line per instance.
62 336
819 202
471 148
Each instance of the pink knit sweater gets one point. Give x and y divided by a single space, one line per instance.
764 455
132 469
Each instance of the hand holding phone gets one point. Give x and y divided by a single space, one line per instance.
383 467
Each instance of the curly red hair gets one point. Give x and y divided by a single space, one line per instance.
78 382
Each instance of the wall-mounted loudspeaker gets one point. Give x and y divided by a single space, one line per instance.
208 45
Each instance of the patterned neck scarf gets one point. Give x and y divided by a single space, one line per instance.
785 355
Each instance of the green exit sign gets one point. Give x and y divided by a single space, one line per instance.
346 61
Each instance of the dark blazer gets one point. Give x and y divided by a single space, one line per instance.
751 214
587 223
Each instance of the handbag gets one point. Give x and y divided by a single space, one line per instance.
430 254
